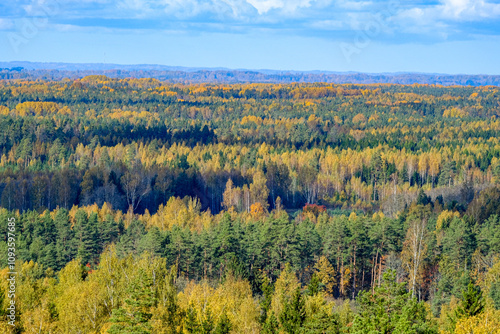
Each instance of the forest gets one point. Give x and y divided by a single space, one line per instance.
144 206
174 74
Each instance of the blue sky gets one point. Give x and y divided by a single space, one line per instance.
444 36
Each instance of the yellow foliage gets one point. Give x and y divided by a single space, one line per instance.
181 212
454 112
233 297
487 322
445 321
4 110
359 118
326 274
374 117
284 288
445 217
37 108
251 118
257 210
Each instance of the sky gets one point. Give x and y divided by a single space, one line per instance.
373 36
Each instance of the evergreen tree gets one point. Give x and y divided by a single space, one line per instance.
134 315
422 198
495 294
50 258
169 313
267 289
191 323
49 228
472 302
321 323
294 313
207 324
223 325
108 231
88 236
314 286
151 242
271 326
391 309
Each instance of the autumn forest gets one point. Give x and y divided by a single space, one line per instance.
143 206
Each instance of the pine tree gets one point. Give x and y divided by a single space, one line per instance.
294 313
50 257
472 302
168 315
135 314
88 236
271 326
49 228
223 325
390 309
207 324
267 293
321 323
314 286
495 294
191 323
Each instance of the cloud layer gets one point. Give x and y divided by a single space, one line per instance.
395 21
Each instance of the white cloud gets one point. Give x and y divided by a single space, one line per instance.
287 6
444 19
469 10
354 5
6 24
453 10
328 24
263 6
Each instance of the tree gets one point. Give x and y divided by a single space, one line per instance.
207 323
326 274
135 314
321 323
391 309
168 315
191 323
414 246
314 286
495 294
294 313
223 325
136 183
258 189
271 326
472 302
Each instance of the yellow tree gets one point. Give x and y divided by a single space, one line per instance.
326 274
284 287
488 322
258 189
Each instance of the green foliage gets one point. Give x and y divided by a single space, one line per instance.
321 323
135 314
294 314
495 294
472 302
191 323
391 309
314 286
271 326
223 325
166 152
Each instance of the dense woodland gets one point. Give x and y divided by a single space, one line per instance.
149 207
172 74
